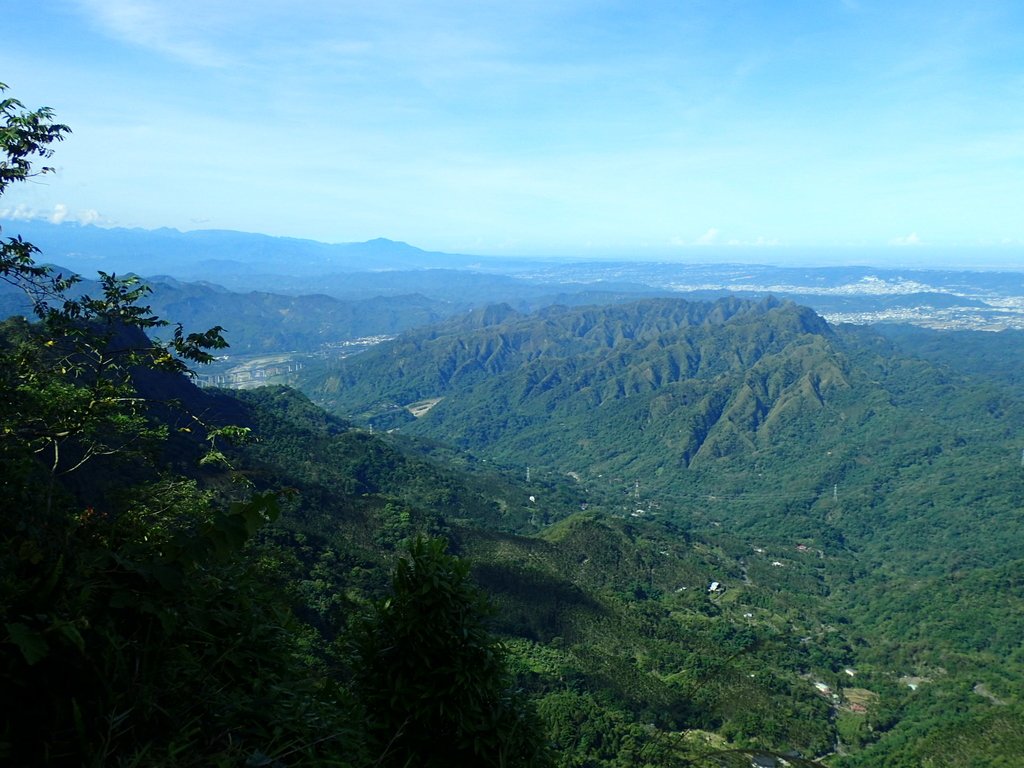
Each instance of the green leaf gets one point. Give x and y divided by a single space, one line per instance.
32 645
214 457
70 631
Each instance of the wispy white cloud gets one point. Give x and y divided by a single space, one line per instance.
19 213
714 237
59 214
708 238
147 24
480 120
418 38
911 239
759 242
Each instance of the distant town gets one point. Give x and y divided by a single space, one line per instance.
934 298
250 371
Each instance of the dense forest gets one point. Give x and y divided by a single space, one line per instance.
656 533
871 481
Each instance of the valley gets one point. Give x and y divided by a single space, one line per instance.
715 526
248 371
833 474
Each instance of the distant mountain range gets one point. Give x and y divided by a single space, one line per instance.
245 262
209 254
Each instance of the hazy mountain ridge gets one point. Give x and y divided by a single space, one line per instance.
211 253
258 322
940 298
266 322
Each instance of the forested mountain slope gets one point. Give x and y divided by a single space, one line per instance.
608 622
258 322
734 410
993 356
563 359
283 319
762 428
165 564
265 322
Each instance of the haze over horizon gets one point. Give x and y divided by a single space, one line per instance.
696 131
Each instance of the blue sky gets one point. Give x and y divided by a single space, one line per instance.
557 127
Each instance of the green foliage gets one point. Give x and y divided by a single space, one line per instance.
25 135
585 733
859 503
122 598
134 626
70 377
431 675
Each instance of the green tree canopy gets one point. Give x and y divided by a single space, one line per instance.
431 675
133 629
